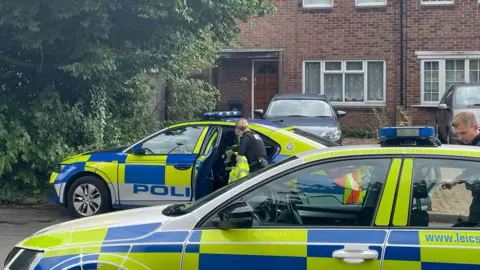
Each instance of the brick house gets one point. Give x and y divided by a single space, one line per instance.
350 50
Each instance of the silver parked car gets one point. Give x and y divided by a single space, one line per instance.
459 97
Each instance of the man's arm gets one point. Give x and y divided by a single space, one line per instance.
460 179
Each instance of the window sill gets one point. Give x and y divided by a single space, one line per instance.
371 5
317 7
424 106
357 105
437 4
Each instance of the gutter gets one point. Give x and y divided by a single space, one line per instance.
402 57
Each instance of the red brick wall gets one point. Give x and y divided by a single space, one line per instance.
342 33
230 85
428 28
346 32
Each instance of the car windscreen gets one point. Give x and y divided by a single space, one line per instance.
313 137
299 107
198 203
466 96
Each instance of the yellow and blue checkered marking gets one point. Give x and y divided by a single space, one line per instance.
134 247
276 248
432 250
143 247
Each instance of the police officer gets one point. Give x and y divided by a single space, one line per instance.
466 129
251 146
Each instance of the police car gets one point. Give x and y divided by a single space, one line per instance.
279 218
177 164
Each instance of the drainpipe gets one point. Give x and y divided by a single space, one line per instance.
402 94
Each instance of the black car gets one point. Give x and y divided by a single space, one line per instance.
309 112
459 97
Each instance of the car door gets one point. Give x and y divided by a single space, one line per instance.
431 228
298 230
443 115
448 114
162 171
202 178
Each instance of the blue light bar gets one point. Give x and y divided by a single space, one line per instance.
222 115
406 132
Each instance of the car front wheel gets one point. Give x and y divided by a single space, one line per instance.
88 196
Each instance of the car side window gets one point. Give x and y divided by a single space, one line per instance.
445 193
343 193
179 140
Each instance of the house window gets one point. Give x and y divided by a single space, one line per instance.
437 2
474 71
317 3
438 74
347 82
370 2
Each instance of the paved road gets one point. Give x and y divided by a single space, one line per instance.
17 224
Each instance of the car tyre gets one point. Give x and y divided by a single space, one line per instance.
88 196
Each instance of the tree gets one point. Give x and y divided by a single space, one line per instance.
72 72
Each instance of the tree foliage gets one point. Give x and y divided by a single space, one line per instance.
72 73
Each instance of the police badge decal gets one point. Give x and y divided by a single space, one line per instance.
289 146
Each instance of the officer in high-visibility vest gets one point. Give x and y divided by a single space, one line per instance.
354 183
250 146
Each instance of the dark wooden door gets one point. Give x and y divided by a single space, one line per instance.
266 83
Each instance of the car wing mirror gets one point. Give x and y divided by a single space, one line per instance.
442 106
341 113
238 215
138 150
259 112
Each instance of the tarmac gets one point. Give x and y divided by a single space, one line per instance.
16 224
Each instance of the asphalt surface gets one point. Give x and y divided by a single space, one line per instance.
17 224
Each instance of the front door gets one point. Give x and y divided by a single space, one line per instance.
297 230
163 172
266 83
436 228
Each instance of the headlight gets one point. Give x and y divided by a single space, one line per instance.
333 135
22 259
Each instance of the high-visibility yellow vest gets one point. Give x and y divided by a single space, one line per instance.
352 184
240 170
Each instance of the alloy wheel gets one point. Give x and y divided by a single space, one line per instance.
87 199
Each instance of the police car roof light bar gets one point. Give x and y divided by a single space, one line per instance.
221 115
408 136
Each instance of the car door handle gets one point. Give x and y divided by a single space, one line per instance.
355 256
182 166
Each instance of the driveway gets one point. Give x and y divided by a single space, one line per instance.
18 223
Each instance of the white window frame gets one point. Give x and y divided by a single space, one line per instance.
437 2
372 4
343 71
441 58
317 5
